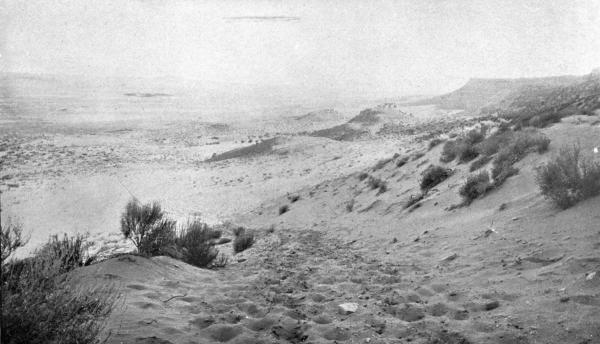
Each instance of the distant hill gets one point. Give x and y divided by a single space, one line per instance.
479 93
368 122
320 116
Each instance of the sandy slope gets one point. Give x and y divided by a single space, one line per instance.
423 276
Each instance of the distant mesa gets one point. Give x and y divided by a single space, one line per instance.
147 95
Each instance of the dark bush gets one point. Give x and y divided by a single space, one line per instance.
402 161
39 304
475 186
466 152
148 229
479 163
434 143
67 253
418 156
362 176
413 199
243 240
380 164
569 178
11 238
434 175
377 183
283 209
448 152
514 149
196 241
293 198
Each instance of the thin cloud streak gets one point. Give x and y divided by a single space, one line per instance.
262 18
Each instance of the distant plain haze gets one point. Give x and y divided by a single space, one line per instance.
380 48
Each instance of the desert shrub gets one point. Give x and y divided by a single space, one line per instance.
238 230
434 175
475 186
569 178
466 151
294 198
448 152
243 240
413 199
418 156
68 253
475 136
515 149
196 241
283 209
350 205
380 164
377 183
39 305
434 143
479 163
146 226
11 238
494 142
402 161
362 176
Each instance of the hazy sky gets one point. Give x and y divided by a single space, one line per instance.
387 47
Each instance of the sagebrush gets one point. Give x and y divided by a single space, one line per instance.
569 177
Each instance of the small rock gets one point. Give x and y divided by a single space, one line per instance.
590 276
491 305
450 257
347 308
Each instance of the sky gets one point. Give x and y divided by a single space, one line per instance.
388 48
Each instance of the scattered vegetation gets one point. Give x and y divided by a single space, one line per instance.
380 164
244 239
448 152
402 161
293 198
377 183
362 176
569 178
434 143
475 186
418 156
434 175
350 205
414 199
479 163
147 227
283 209
196 242
39 305
464 147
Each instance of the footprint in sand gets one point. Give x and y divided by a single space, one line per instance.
223 333
260 324
137 287
438 309
408 312
146 305
337 334
202 322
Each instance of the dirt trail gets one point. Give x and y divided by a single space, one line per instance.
288 288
